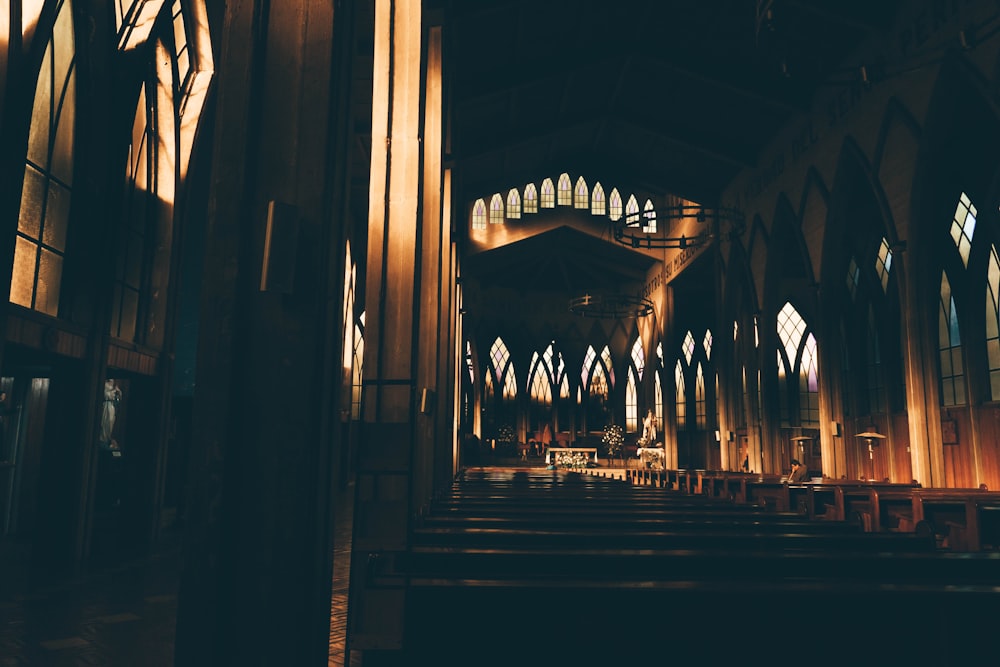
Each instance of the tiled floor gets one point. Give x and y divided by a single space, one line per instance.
125 616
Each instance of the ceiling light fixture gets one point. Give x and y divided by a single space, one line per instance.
699 225
610 306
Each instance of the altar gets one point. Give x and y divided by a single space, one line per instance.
652 457
571 457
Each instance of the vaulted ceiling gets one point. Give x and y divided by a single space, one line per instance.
653 96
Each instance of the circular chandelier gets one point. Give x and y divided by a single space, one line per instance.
655 228
612 306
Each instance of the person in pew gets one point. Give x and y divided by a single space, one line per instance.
799 473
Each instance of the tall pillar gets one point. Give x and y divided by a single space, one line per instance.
409 308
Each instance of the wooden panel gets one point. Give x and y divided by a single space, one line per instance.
959 466
902 464
989 446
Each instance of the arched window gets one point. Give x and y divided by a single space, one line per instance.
615 205
479 214
680 395
514 204
359 363
496 209
648 218
597 379
501 409
635 370
548 194
797 369
597 204
581 195
700 409
853 276
539 391
530 198
43 220
632 212
950 347
993 322
658 384
565 194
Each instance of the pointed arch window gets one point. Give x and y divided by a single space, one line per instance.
565 194
797 367
530 198
597 204
993 322
707 344
950 349
648 218
963 227
658 383
632 212
638 358
883 264
358 370
496 209
540 382
631 403
606 359
468 362
514 204
548 194
581 194
43 220
596 380
680 397
700 409
479 214
615 205
809 383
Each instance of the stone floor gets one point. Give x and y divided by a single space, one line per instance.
124 616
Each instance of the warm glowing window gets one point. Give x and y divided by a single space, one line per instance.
707 343
597 203
581 194
548 194
632 212
680 400
950 349
496 209
503 369
136 228
359 364
540 384
809 383
963 226
736 330
700 409
43 219
615 205
468 362
181 51
791 327
687 347
648 218
565 194
883 264
638 358
514 204
479 214
993 322
606 358
631 403
658 385
530 198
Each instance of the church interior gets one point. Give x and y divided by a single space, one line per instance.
429 332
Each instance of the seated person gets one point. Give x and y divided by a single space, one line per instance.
799 473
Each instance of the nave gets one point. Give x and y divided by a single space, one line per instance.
530 566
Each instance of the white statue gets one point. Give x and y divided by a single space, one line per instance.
112 396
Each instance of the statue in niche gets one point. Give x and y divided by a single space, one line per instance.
649 429
112 397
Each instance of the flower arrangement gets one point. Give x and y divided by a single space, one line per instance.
570 459
505 433
614 438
